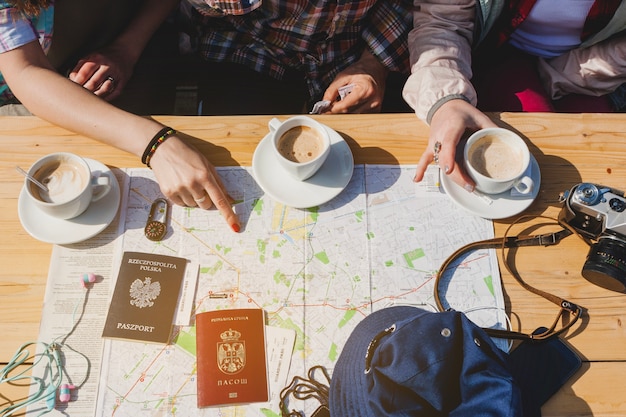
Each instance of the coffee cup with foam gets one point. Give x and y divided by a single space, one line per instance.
497 159
71 185
300 144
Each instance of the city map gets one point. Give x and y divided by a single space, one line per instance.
317 272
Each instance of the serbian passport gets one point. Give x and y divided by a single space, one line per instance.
231 357
145 297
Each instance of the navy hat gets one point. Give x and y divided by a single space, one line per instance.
404 361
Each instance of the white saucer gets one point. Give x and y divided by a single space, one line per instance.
503 205
95 219
322 187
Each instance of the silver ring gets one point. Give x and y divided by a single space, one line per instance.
436 152
109 78
200 200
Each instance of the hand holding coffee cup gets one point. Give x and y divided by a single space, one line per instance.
497 159
71 186
301 145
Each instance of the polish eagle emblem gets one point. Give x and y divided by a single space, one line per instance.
143 293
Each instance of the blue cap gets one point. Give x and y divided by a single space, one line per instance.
402 361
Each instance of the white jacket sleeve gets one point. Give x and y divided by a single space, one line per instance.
596 70
440 46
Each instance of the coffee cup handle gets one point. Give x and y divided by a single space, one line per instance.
524 185
274 124
101 187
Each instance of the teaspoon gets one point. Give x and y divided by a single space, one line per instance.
31 179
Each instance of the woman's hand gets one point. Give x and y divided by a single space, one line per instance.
447 127
188 179
104 72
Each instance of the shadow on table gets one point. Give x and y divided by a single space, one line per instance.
555 406
557 174
373 155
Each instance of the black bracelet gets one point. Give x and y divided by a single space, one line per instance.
156 140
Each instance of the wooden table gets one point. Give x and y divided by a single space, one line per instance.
569 148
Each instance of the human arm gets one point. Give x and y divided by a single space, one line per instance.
384 36
596 70
367 76
440 46
182 172
118 59
447 126
439 87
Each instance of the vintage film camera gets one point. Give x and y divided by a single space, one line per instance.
598 214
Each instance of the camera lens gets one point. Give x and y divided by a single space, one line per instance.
606 264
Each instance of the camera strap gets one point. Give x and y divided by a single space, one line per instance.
567 308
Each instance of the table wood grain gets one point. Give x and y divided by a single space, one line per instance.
570 148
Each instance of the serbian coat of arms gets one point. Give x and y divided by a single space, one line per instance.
231 352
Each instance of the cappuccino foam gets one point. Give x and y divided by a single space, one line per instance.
300 144
65 181
494 158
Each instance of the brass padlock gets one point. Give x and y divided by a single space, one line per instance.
156 230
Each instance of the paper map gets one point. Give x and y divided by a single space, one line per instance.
317 271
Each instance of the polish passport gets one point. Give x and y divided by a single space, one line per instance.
231 357
145 297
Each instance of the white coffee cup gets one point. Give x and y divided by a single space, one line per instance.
497 159
300 145
72 187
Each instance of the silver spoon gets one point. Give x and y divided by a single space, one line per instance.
31 179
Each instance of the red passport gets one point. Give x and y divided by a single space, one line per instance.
231 359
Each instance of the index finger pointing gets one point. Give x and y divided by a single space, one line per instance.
222 202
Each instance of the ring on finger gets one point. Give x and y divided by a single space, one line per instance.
436 152
112 80
200 200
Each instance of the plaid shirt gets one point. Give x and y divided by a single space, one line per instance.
17 30
319 38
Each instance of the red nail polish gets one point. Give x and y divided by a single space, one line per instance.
235 227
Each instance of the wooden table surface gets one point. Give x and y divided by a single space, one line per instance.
570 148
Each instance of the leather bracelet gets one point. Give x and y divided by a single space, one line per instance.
158 139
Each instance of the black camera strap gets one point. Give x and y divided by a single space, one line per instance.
567 308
